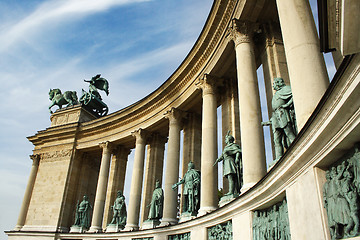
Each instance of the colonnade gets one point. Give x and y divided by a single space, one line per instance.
241 114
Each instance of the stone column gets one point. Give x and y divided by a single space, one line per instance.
29 188
307 71
209 181
116 180
252 137
136 181
191 145
172 167
101 188
153 170
230 117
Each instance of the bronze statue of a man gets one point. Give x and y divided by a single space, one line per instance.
119 211
283 120
157 202
191 191
82 214
232 164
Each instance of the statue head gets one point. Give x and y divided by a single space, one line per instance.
119 193
191 165
85 198
229 138
278 83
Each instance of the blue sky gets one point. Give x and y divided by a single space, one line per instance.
135 44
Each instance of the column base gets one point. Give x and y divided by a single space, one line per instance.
95 229
131 227
149 224
168 221
17 228
205 210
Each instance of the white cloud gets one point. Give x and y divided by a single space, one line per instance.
54 12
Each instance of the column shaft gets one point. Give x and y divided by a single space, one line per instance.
252 137
209 181
172 167
99 204
27 196
116 180
191 146
136 181
153 170
230 117
307 71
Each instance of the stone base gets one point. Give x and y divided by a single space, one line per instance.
227 198
186 217
77 229
149 224
71 115
112 228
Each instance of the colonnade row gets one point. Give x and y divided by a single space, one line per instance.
308 78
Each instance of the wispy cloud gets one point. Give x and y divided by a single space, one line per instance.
55 12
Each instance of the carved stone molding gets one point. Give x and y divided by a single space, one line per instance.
55 156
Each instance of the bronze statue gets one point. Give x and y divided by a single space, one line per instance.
119 211
59 99
156 204
191 191
92 100
283 120
82 214
98 82
232 164
341 198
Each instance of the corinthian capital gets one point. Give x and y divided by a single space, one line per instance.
140 136
35 158
241 31
174 115
208 84
106 146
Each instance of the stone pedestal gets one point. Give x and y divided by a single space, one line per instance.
77 229
227 198
70 115
149 224
112 228
186 217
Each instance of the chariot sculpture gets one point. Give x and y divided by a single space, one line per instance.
92 100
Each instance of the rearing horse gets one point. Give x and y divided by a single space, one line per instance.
59 99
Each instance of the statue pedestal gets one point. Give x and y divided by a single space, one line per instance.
111 228
227 198
77 229
149 224
186 217
71 115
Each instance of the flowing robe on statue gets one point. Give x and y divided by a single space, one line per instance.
156 205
